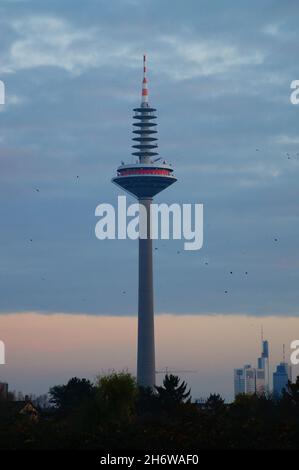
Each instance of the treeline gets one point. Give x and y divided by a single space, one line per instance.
114 413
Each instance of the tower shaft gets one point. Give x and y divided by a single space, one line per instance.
146 335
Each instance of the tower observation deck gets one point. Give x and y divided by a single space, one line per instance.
145 178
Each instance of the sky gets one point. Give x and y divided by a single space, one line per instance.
219 75
43 350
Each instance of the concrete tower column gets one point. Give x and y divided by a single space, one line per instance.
146 335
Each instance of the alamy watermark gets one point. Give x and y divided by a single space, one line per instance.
294 96
167 221
294 358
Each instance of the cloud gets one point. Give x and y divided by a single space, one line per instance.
53 41
222 90
286 140
271 29
50 41
207 57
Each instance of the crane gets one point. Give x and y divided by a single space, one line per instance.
167 371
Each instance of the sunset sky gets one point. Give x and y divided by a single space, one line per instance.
220 78
43 350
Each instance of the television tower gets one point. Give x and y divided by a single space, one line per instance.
144 179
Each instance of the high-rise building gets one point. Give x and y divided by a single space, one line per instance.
239 381
250 379
144 179
281 377
245 380
260 382
263 373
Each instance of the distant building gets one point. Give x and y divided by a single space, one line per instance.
24 410
239 381
260 381
263 373
245 380
281 376
250 379
3 391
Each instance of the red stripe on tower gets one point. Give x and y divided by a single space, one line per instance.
144 100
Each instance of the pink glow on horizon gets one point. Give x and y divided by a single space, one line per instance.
44 350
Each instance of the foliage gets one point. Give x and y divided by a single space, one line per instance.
67 398
115 413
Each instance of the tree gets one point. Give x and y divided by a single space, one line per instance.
68 397
172 393
291 393
116 393
214 404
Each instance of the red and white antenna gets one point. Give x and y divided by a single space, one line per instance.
144 99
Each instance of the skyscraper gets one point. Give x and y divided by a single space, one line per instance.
263 373
239 381
245 380
250 377
281 376
254 380
143 179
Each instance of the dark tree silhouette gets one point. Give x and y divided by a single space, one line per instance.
215 403
291 392
68 397
116 413
172 392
